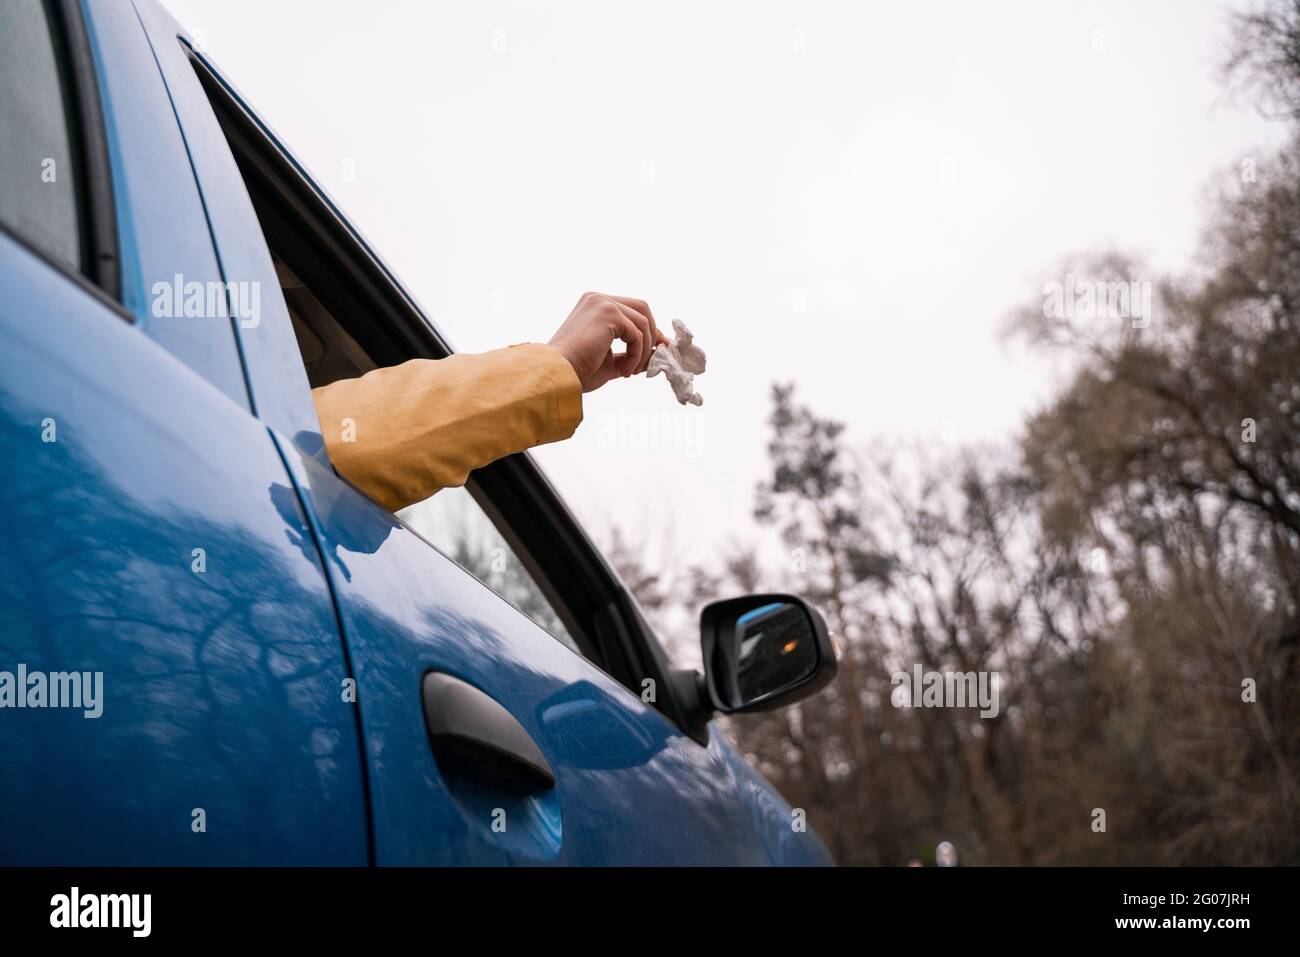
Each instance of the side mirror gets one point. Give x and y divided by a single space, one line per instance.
764 651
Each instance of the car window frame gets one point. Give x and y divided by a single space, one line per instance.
513 492
83 113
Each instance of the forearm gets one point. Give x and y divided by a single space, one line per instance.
403 432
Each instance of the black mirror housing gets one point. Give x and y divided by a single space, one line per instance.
762 652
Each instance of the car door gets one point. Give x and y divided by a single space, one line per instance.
630 786
170 665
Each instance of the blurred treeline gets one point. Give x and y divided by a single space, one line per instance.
1125 567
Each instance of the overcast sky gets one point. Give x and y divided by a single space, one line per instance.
847 195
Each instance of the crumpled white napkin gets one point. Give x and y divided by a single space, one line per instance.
680 361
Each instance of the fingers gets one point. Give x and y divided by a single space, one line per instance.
608 370
634 330
637 358
643 307
623 318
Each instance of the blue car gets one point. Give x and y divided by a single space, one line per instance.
213 649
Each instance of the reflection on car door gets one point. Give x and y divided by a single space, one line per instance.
631 788
151 537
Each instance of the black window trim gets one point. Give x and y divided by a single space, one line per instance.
100 274
514 493
100 242
67 272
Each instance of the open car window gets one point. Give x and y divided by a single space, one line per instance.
452 521
349 315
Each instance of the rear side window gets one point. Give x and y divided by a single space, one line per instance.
40 188
455 524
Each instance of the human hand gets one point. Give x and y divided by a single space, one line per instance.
587 338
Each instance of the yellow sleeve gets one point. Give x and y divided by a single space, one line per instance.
401 433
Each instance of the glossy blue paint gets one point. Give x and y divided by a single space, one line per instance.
632 788
223 687
269 348
162 228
